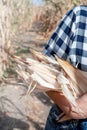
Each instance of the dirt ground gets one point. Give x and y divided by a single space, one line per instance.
18 110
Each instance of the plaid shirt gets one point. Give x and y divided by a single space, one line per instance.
69 40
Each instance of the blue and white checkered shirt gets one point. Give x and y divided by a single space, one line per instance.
69 40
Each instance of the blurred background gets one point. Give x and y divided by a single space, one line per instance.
25 24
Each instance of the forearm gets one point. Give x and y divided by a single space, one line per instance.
67 107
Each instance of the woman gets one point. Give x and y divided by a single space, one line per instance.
69 41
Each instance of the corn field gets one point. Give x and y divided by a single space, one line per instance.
17 16
54 10
14 17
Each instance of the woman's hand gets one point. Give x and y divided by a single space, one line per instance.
71 111
60 100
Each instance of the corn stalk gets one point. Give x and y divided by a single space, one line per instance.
13 17
5 34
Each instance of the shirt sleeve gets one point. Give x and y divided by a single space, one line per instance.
62 36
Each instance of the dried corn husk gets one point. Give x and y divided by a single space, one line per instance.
47 74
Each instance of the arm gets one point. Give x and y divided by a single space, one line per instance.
59 45
67 107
